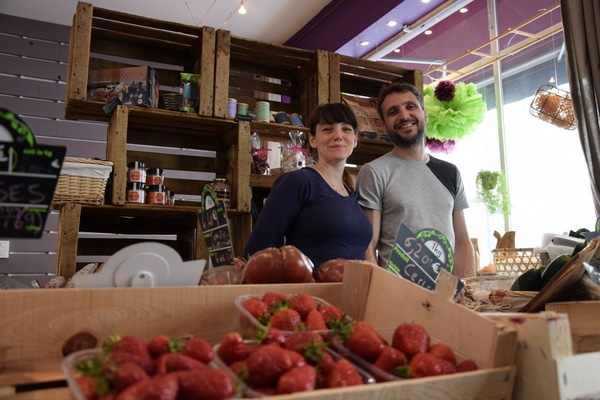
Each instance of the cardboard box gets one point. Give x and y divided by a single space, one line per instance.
584 322
137 86
40 326
546 366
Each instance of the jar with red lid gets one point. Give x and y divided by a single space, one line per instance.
157 194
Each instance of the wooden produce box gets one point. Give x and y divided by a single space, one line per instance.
291 80
188 147
363 78
39 327
584 322
547 367
102 39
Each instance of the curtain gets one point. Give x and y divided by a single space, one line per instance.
581 22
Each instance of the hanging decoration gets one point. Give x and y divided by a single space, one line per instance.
553 105
454 110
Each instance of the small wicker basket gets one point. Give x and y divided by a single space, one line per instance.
513 262
82 180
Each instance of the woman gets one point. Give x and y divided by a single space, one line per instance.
313 208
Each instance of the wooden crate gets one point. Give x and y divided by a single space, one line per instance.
82 231
188 147
291 80
40 326
102 39
547 368
584 322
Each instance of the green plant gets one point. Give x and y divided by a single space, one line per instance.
493 192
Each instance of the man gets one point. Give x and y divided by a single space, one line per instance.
409 186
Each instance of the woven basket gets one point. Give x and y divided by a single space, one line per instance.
170 101
82 180
513 262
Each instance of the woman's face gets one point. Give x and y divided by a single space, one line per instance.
333 141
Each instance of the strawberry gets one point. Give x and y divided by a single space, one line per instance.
298 379
256 307
129 344
411 339
466 365
315 321
272 335
330 312
286 320
232 348
120 357
300 340
171 362
443 351
199 349
364 341
163 387
128 374
209 383
273 299
303 303
267 363
161 344
389 359
425 364
343 374
87 386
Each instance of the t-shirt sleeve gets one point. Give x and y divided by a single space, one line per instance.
460 201
278 214
368 189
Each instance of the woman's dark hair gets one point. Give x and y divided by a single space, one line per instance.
397 87
332 113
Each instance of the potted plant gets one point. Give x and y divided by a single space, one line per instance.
493 192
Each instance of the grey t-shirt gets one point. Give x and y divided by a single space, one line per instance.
422 195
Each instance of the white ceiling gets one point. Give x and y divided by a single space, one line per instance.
272 21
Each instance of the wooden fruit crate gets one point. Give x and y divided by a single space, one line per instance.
584 322
291 80
39 327
188 147
102 38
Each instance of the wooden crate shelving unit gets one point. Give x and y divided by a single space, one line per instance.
102 38
290 79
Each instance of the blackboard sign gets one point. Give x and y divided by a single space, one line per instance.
213 219
29 173
420 258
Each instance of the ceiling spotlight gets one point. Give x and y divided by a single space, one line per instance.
242 10
463 10
425 1
406 29
552 80
396 50
428 32
364 43
392 23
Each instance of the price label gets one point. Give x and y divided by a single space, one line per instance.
215 227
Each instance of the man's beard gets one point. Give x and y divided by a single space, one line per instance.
406 143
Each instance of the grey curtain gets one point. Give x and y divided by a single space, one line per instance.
581 22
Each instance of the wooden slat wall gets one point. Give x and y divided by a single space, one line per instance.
33 70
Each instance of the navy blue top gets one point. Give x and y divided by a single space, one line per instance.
304 211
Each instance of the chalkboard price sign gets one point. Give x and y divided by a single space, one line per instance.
213 219
419 258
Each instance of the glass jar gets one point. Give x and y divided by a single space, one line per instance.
136 192
157 194
155 176
222 191
136 172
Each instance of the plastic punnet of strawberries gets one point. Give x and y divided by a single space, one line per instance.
411 353
164 367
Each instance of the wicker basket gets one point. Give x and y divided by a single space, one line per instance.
82 180
513 262
170 101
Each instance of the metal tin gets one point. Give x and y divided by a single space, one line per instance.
136 192
222 191
136 172
157 194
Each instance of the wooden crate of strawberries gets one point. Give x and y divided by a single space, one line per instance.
40 327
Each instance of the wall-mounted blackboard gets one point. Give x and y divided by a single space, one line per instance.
215 227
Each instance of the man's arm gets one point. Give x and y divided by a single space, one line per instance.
374 217
464 254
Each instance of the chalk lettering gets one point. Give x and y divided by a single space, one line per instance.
11 192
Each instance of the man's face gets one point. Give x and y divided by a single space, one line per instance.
404 119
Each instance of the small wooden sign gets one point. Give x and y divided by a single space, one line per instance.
420 258
215 227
